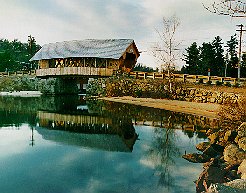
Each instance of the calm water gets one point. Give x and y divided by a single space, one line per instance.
67 145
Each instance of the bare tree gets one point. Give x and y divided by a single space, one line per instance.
166 50
233 8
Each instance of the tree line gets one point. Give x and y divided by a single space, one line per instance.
211 57
15 55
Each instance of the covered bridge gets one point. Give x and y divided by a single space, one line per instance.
90 57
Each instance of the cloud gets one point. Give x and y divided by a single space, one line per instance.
60 20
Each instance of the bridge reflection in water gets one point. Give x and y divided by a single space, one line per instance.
88 131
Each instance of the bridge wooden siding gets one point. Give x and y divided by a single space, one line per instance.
75 71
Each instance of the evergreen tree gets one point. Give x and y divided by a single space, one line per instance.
192 59
243 66
233 59
142 68
15 55
207 56
219 61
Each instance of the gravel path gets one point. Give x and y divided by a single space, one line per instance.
202 109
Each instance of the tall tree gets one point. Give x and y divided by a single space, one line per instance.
192 59
15 55
166 50
243 66
219 61
233 59
207 56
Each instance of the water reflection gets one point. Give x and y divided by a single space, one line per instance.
87 130
86 142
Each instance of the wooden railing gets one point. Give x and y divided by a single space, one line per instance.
19 73
185 77
74 71
106 72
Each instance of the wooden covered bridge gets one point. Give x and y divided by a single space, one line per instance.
90 58
72 63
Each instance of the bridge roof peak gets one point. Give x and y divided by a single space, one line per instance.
96 48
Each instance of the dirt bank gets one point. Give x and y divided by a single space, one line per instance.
202 109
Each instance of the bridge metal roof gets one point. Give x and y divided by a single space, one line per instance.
108 48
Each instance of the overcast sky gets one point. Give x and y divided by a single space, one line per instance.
59 20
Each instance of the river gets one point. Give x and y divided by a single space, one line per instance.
69 145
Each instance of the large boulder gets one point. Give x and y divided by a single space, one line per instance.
242 169
214 137
242 127
241 136
212 173
234 155
202 146
210 151
235 186
242 143
230 135
196 157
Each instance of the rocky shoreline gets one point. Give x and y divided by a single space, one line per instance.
224 159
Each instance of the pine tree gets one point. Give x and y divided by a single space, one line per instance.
233 59
207 56
219 61
192 59
243 66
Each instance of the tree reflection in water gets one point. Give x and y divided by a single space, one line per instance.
162 153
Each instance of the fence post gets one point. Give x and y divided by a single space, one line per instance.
162 75
196 78
184 77
153 75
145 75
222 79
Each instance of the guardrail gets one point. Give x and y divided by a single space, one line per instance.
135 74
185 77
18 73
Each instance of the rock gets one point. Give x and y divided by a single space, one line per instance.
218 147
196 157
213 137
238 184
233 155
220 101
230 135
240 134
212 100
242 169
210 151
178 91
235 186
211 174
202 146
242 143
242 127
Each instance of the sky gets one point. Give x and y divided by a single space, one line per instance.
63 20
